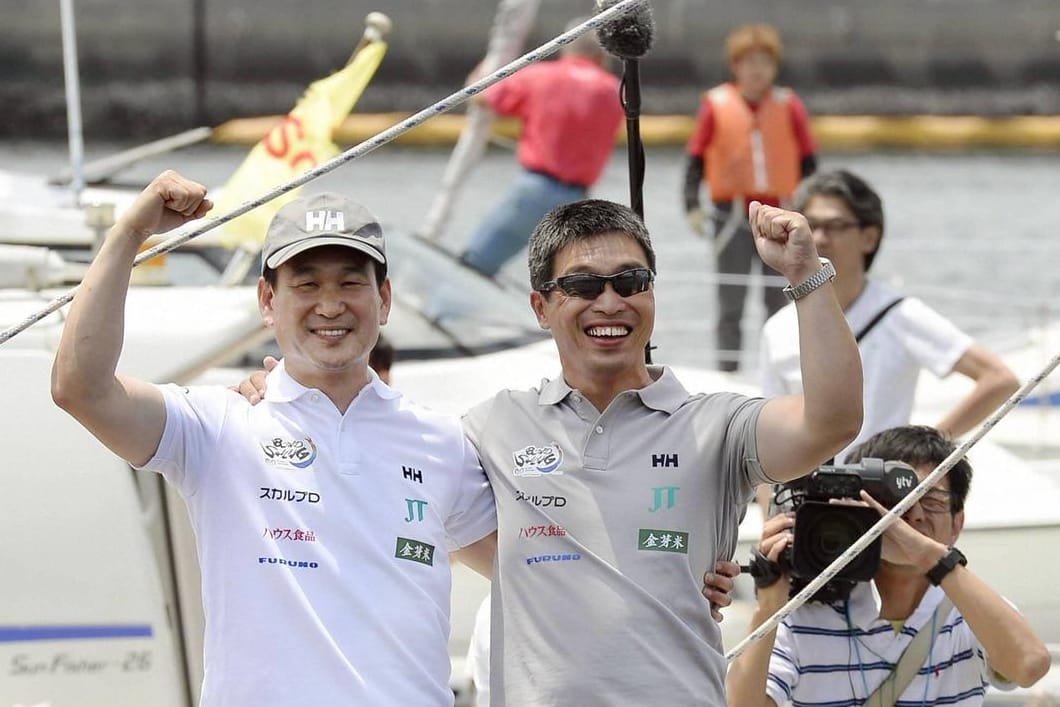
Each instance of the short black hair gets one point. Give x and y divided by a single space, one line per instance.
578 221
852 190
918 445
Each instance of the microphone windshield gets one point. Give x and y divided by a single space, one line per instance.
628 36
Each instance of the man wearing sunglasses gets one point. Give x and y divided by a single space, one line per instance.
898 336
841 653
617 489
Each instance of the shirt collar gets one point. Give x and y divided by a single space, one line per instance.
280 387
665 393
865 606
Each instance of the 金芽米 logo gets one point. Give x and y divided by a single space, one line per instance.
662 540
415 551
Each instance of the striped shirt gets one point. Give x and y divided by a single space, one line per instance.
836 655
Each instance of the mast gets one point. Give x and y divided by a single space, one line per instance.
73 99
511 24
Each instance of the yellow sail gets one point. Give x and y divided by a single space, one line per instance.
298 143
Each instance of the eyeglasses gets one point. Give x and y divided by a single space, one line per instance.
590 285
833 225
936 501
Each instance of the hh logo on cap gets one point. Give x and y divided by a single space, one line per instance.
324 220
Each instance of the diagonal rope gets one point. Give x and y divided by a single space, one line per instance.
357 151
899 510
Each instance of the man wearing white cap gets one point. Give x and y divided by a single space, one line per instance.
324 515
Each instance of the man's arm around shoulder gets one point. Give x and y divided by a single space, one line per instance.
125 414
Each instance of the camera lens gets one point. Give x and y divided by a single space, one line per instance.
824 532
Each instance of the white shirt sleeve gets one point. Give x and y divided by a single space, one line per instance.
194 420
931 339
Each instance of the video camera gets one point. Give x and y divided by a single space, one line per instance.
824 531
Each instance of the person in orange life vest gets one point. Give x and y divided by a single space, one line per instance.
752 141
570 114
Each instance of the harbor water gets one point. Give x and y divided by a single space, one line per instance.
977 236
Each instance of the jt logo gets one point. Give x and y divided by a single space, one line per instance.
658 460
671 497
416 507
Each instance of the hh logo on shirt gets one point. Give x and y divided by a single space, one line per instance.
289 453
538 460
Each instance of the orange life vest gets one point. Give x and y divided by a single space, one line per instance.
751 152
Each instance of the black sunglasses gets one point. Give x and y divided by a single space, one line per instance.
590 286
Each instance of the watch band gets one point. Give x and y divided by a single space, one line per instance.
946 564
822 276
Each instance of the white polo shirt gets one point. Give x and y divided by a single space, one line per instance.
323 541
911 337
838 654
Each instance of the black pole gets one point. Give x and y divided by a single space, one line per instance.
634 146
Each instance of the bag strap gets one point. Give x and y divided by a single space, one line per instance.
910 662
876 320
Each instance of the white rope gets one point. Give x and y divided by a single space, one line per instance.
624 7
899 510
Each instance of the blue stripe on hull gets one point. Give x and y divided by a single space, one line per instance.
19 634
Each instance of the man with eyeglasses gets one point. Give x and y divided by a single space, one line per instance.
846 651
617 489
898 336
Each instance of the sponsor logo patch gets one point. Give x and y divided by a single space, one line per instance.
655 540
415 551
538 460
542 531
289 453
289 495
565 557
286 562
296 534
542 501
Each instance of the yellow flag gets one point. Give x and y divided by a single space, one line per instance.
298 143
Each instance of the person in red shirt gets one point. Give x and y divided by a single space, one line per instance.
570 114
752 141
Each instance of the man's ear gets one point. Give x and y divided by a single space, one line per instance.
958 526
385 297
539 305
870 239
265 295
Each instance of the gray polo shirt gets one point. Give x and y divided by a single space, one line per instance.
607 523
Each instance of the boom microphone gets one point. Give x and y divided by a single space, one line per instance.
629 36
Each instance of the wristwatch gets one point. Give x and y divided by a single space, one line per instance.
825 274
951 559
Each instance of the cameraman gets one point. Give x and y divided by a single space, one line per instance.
840 653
